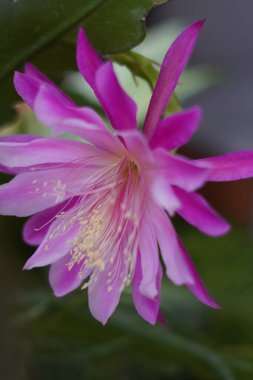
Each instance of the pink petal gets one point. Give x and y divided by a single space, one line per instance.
40 151
55 245
229 167
179 266
119 107
36 227
84 122
104 297
28 84
171 70
149 260
137 146
170 249
63 280
35 191
147 308
196 211
196 286
88 61
180 171
176 130
163 193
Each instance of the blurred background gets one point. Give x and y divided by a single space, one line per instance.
47 338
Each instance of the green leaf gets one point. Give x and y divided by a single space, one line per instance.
44 32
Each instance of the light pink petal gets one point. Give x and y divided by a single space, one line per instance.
179 266
36 227
196 211
176 130
196 285
229 167
84 122
53 249
171 70
147 308
63 280
40 151
32 192
149 259
180 171
137 146
118 106
163 193
29 83
103 296
169 246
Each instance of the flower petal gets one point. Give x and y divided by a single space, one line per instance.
120 109
28 84
163 193
149 260
88 61
118 106
35 191
196 211
180 171
146 307
196 286
40 151
229 167
36 227
171 70
170 249
63 280
56 244
84 122
176 130
179 266
104 298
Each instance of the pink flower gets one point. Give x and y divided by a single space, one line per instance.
101 209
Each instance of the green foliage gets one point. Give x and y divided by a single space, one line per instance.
44 32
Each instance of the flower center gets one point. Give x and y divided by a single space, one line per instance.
107 218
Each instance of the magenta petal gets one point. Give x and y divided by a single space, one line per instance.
196 211
163 193
179 266
170 249
171 70
35 191
229 167
27 87
176 130
119 107
63 280
180 171
88 60
52 110
39 151
36 227
147 308
196 286
149 260
53 249
32 71
103 298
